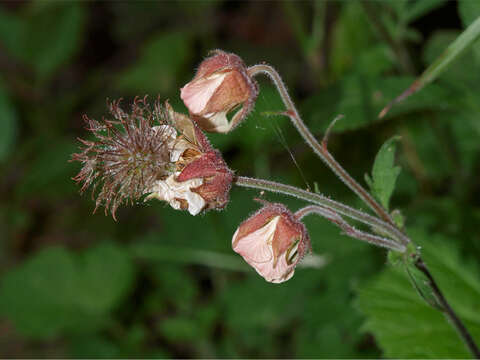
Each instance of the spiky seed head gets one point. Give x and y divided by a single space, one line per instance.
129 153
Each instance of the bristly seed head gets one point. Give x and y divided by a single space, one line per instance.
130 152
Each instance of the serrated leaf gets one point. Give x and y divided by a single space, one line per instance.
403 324
384 172
57 291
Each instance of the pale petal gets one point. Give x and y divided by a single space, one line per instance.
256 247
217 122
197 93
170 190
278 274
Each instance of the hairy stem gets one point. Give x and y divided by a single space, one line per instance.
325 202
448 311
348 229
386 226
319 149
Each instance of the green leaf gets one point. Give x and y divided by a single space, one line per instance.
50 171
351 35
62 27
84 347
458 76
106 273
360 97
8 124
374 61
160 64
403 324
469 11
384 172
12 29
179 329
451 53
56 291
154 251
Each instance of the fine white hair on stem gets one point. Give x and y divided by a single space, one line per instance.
324 202
319 149
348 229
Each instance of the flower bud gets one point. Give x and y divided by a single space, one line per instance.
220 85
272 241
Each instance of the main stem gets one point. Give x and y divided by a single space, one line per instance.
320 150
323 201
387 225
448 311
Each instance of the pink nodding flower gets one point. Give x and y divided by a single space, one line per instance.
220 85
272 241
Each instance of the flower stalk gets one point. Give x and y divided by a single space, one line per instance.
348 229
154 152
324 202
319 149
325 205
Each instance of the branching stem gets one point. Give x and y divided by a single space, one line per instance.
325 202
348 229
330 208
319 149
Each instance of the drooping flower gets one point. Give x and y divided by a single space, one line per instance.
220 86
150 151
195 160
272 241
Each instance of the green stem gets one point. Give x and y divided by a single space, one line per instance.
386 224
325 202
448 311
348 229
319 149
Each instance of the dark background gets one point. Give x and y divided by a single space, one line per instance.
161 283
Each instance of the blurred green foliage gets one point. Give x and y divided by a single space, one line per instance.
161 283
403 323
